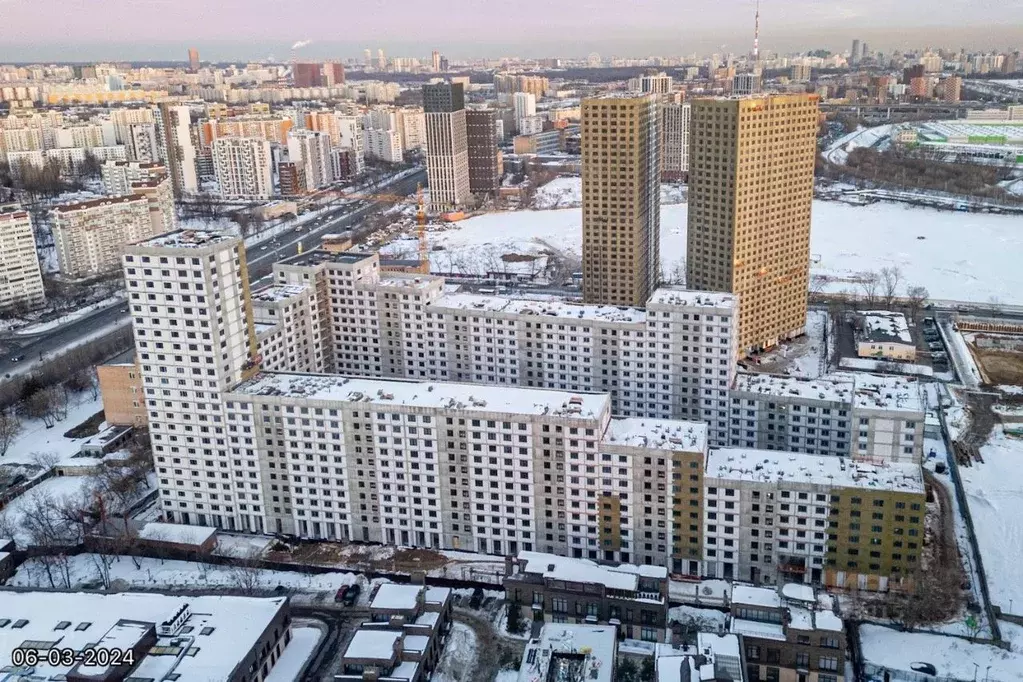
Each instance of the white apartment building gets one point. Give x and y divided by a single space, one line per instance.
350 136
447 158
413 128
384 145
90 236
195 338
85 136
243 167
530 125
160 195
118 176
21 280
176 146
675 141
68 157
287 324
141 142
524 104
673 359
22 140
312 149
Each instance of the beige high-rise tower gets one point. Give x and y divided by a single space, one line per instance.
621 199
751 163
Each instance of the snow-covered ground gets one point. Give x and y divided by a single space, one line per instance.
568 193
994 489
242 546
962 256
36 439
703 592
952 657
50 495
304 640
39 327
861 137
187 574
459 658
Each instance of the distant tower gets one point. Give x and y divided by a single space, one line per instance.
193 59
366 57
756 34
381 60
436 60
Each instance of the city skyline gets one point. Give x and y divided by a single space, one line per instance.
161 30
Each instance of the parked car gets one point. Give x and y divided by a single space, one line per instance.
17 358
351 594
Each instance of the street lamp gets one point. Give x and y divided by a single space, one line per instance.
986 671
976 667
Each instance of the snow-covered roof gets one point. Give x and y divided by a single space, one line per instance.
437 595
223 629
444 395
827 620
406 670
700 659
415 643
623 577
799 592
597 644
754 628
884 326
884 392
667 434
832 388
184 239
177 533
278 292
772 466
406 282
396 597
541 308
756 596
373 644
689 298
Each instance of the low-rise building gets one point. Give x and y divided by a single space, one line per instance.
570 652
404 638
150 636
21 279
712 658
632 599
884 335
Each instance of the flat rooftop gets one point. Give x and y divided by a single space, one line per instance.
187 239
835 388
540 308
278 292
772 466
622 577
665 434
883 392
442 395
373 644
882 326
318 256
222 629
685 297
565 652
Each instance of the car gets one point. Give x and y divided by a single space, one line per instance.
351 594
264 247
17 358
124 310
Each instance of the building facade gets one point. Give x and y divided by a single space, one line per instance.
621 199
90 236
21 279
312 149
447 150
243 168
384 145
177 148
751 236
675 141
481 141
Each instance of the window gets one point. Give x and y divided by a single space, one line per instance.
827 663
802 660
559 605
648 634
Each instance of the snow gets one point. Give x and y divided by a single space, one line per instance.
70 317
396 597
962 358
798 591
75 491
770 466
189 574
752 628
445 396
304 641
704 620
964 256
713 592
756 596
622 577
861 137
868 365
669 434
242 545
36 438
460 655
994 490
567 192
564 638
373 644
177 533
952 657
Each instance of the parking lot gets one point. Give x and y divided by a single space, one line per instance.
930 350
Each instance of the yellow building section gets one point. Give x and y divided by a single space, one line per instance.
687 511
251 366
875 539
610 522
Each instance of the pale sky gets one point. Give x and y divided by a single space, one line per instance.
243 29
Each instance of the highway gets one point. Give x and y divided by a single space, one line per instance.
260 257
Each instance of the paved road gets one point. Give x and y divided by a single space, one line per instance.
260 260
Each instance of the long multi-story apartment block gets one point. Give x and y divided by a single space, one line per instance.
21 280
90 235
312 149
118 176
675 141
864 416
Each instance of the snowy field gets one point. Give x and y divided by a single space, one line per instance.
995 493
953 658
568 193
73 491
459 655
35 439
962 256
84 571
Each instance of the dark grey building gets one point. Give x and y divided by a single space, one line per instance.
443 98
484 166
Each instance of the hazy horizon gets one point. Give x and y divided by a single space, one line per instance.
232 30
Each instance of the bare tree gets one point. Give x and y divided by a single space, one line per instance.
37 406
10 429
817 284
246 574
869 283
917 297
676 273
891 278
44 460
58 402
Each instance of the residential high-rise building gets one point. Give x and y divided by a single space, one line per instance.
447 153
657 83
366 57
800 72
174 129
381 59
621 198
350 138
854 53
141 143
118 176
675 141
158 192
313 150
90 235
481 142
524 104
511 83
745 84
243 167
333 73
307 74
21 280
436 60
951 89
383 144
921 87
291 177
272 128
193 59
751 167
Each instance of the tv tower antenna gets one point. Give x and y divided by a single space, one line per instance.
756 34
